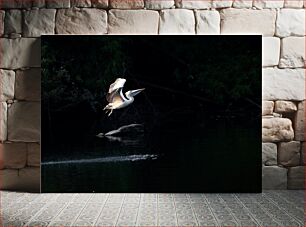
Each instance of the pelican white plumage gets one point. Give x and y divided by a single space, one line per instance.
116 98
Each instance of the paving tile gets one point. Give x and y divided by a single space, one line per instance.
270 208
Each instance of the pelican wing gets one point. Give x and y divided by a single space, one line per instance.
119 83
114 91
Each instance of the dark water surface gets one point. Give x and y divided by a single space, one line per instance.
217 158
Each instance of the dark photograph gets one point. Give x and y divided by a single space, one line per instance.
137 114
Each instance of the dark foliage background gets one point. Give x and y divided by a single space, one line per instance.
214 69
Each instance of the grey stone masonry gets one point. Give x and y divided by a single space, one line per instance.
24 122
299 122
27 85
269 154
289 153
20 53
13 22
296 176
39 22
81 21
274 177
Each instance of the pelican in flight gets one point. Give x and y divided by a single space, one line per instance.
116 98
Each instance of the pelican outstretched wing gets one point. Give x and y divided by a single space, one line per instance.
113 94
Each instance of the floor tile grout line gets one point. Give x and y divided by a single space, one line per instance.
271 200
157 213
267 212
87 205
230 210
248 212
22 197
95 219
212 212
247 209
176 218
80 212
276 205
37 198
120 209
280 197
64 207
194 215
138 210
41 210
285 200
101 211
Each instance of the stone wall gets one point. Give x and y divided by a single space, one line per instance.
281 22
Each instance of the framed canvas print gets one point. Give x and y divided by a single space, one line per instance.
151 114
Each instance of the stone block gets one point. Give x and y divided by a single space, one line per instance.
267 107
262 4
178 21
290 22
289 153
80 3
126 4
28 84
221 3
299 122
207 22
39 22
293 4
30 179
24 122
33 158
15 4
303 160
133 22
296 176
283 84
271 51
26 179
269 154
293 52
159 4
7 81
13 21
242 4
20 53
285 106
248 21
81 21
56 4
277 129
39 4
274 177
2 13
192 4
9 179
3 121
13 155
99 3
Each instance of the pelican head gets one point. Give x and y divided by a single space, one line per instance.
133 93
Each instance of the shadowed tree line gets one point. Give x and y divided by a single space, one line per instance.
219 70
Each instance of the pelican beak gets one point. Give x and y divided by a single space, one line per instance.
136 92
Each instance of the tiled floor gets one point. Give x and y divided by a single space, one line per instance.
271 208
